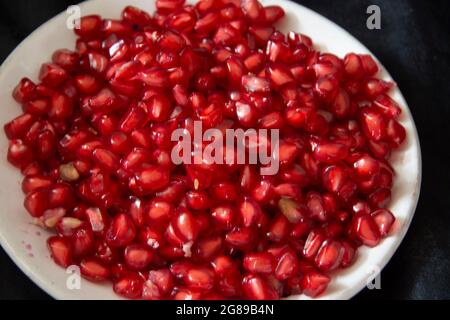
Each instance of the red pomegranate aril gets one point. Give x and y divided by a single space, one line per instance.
375 87
36 202
37 107
97 63
255 288
388 106
349 254
197 200
34 182
138 257
94 270
199 278
152 179
278 229
60 251
207 248
373 124
313 244
207 23
61 195
330 255
241 238
396 133
224 216
121 232
61 107
366 230
353 66
89 27
369 65
159 210
120 28
183 293
82 242
163 279
329 152
334 177
150 291
106 159
129 286
250 212
314 283
259 263
327 88
185 226
66 59
18 127
366 167
24 91
384 219
272 14
135 15
287 266
94 145
52 75
158 108
380 198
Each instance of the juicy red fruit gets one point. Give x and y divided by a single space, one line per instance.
94 145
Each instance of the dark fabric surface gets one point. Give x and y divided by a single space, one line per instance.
414 45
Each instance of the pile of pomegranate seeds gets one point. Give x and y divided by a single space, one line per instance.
94 146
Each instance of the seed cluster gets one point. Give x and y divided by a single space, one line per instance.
94 146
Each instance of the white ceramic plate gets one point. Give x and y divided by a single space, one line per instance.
26 243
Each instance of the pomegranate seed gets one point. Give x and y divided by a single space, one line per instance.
242 238
348 256
256 289
207 248
396 133
259 263
135 15
328 152
384 219
314 283
162 279
185 226
121 231
369 65
313 244
152 179
94 145
199 278
24 91
287 266
89 27
330 255
60 250
19 154
138 257
290 209
366 230
130 286
94 270
19 127
272 14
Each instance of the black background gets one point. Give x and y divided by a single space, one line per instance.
414 45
